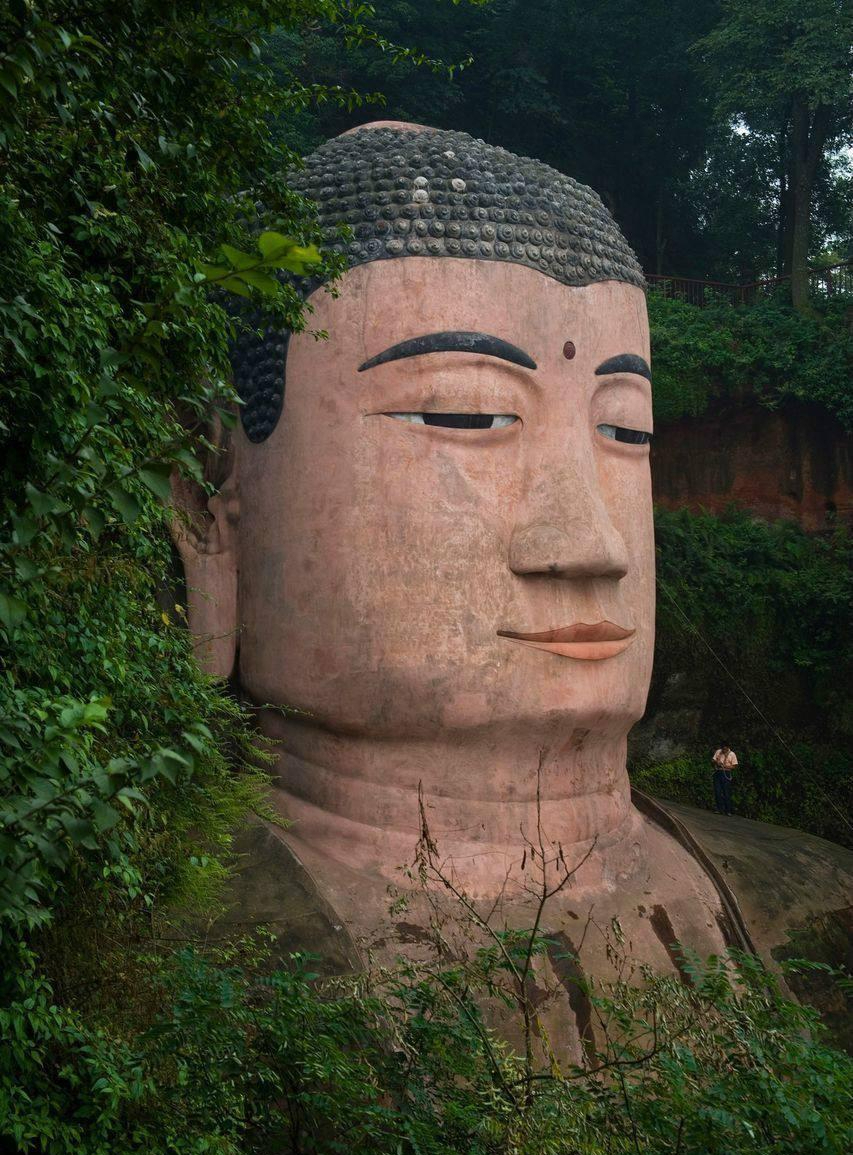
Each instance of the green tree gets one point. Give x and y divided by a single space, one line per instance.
784 69
606 92
637 100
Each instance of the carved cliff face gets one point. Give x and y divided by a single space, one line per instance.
385 557
439 553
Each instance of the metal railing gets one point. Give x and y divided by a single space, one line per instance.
823 283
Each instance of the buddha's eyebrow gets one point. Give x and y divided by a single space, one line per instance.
452 342
624 363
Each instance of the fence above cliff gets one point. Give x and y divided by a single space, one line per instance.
823 283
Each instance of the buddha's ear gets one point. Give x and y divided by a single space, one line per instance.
204 529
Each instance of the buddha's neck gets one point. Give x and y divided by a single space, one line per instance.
484 797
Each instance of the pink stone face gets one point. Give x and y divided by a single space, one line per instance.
384 564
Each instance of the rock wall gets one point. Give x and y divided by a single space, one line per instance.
794 462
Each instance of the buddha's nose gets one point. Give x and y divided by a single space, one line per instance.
566 531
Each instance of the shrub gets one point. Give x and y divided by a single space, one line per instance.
765 351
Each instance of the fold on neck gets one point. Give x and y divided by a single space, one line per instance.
483 799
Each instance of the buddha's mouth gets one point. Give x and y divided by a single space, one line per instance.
591 643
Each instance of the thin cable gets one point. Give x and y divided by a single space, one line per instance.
752 703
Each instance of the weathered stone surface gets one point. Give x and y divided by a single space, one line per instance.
271 889
795 462
781 877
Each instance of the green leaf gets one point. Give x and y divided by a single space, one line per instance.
238 258
156 476
96 710
271 244
235 285
80 831
43 503
23 61
191 464
299 259
104 816
7 81
197 743
287 254
212 272
269 286
24 530
95 414
25 569
144 159
124 503
12 610
95 520
227 417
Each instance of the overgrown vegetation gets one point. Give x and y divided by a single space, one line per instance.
234 1064
127 132
713 1061
763 352
744 605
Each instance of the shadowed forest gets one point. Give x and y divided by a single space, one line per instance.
696 122
135 141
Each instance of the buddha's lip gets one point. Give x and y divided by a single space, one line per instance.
577 632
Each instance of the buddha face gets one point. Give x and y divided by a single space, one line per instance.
450 528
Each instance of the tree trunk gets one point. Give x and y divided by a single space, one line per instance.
660 238
808 137
783 226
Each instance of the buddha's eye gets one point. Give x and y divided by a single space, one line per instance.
619 433
458 420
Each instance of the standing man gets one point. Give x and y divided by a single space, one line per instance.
724 761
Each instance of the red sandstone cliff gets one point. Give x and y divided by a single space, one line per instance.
793 463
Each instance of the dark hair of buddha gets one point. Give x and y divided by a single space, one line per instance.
436 193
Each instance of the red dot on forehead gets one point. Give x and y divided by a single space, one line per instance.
569 350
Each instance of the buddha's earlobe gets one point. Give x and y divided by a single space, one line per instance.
204 530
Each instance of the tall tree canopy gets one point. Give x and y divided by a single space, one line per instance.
785 69
652 104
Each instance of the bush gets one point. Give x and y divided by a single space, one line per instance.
128 132
714 1063
765 351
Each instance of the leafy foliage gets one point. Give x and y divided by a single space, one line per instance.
764 351
128 133
237 1063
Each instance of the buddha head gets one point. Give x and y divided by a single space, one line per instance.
434 545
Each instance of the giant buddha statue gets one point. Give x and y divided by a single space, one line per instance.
431 563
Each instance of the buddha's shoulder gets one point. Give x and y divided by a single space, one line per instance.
790 889
776 891
271 888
